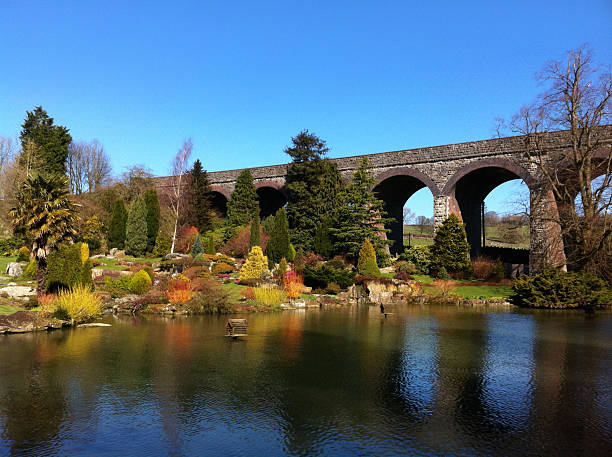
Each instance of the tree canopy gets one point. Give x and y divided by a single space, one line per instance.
242 204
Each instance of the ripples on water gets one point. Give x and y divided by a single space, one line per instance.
425 381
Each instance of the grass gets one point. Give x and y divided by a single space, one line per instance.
4 261
466 289
8 309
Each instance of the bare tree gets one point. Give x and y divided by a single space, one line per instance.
177 181
409 215
8 152
578 102
88 166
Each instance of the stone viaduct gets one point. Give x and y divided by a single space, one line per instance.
459 177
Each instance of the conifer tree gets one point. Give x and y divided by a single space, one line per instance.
242 204
298 261
322 241
313 188
361 216
44 145
278 244
254 265
197 247
153 213
255 239
136 229
366 265
451 249
116 227
201 195
210 245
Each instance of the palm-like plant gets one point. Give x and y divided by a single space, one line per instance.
46 213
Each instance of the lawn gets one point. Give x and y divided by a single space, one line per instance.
465 288
4 261
8 309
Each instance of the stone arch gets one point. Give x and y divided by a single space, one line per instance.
469 186
272 197
394 187
218 200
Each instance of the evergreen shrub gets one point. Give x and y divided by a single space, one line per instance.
197 247
420 256
65 268
221 268
451 249
163 243
366 265
320 277
557 289
255 264
23 255
140 283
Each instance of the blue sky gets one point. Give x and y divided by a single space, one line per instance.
242 77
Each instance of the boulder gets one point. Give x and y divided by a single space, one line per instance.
176 255
116 253
18 292
15 268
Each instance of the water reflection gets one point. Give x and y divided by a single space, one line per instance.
426 381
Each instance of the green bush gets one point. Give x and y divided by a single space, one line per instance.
499 272
407 267
23 255
366 265
29 272
65 268
140 283
557 289
117 287
197 247
221 268
163 243
451 249
320 277
420 256
333 288
9 245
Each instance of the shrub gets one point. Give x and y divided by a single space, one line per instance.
176 265
179 282
249 293
194 272
213 302
336 264
291 253
281 270
153 297
136 229
23 255
186 239
117 287
140 283
239 244
293 284
204 284
557 289
269 295
221 268
255 264
408 267
298 261
499 272
210 245
197 247
29 272
332 289
312 260
366 265
441 273
420 256
177 297
65 268
78 303
451 249
163 243
9 245
402 275
483 267
84 252
320 277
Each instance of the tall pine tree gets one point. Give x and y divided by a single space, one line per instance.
313 187
153 214
255 239
242 205
116 226
361 217
44 145
136 229
451 249
201 195
278 244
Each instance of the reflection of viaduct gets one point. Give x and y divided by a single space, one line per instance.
459 176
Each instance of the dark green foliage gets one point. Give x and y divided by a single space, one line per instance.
278 244
210 245
197 247
255 239
322 240
499 271
420 256
291 254
153 214
29 272
136 229
298 261
268 224
200 201
321 276
361 216
116 226
65 268
11 244
557 289
451 249
313 188
366 265
242 206
44 145
163 243
281 270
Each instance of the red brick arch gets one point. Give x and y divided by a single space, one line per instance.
280 186
220 190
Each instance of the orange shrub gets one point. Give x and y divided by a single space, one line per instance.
222 268
483 267
186 239
179 283
293 284
179 296
249 293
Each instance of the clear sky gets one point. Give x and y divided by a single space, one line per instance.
242 77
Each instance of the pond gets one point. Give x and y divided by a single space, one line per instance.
427 381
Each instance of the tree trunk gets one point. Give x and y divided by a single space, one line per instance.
41 273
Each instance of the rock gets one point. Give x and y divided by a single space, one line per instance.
176 255
387 270
15 268
390 291
116 253
96 273
18 292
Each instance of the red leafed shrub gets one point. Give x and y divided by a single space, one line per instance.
249 293
186 239
312 260
221 268
179 283
483 267
239 245
194 272
204 284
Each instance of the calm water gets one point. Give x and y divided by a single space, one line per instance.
433 381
